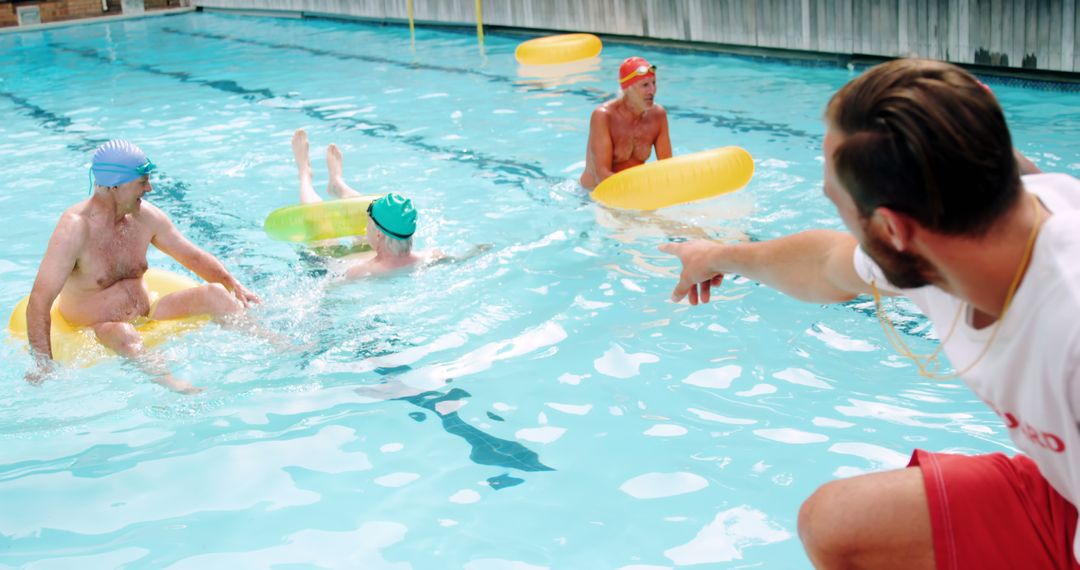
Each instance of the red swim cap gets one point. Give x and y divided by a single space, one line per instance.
635 69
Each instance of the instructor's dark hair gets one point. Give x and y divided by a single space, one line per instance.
927 139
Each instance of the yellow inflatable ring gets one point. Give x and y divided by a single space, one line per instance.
321 220
77 345
558 49
677 180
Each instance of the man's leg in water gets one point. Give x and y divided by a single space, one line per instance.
217 302
337 186
307 189
303 167
212 299
125 341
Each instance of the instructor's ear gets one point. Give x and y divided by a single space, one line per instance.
896 228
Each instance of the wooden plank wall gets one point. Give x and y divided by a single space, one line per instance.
1031 34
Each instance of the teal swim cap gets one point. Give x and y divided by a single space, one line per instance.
394 215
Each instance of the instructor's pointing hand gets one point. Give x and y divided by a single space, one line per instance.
698 274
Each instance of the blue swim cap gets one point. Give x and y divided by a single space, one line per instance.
394 215
117 162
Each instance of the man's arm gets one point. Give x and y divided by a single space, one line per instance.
169 240
663 140
815 265
56 265
600 145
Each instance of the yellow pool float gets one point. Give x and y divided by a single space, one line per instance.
558 49
319 221
78 345
677 180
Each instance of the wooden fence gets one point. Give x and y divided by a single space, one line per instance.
1030 34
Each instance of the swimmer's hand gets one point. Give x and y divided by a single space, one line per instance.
41 371
698 275
179 386
242 294
439 257
477 250
187 389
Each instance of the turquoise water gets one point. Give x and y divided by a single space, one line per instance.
541 405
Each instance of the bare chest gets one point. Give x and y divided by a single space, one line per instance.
634 139
114 253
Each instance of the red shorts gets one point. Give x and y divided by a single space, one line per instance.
992 511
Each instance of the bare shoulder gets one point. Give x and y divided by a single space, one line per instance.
604 109
151 211
153 217
657 114
602 118
71 233
75 220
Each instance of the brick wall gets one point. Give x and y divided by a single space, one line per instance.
81 8
7 15
59 10
52 10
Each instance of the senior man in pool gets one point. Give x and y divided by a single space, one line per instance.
918 161
96 258
391 218
624 131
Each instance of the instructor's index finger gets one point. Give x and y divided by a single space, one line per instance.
681 289
670 248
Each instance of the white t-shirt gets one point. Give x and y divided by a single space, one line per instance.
1031 374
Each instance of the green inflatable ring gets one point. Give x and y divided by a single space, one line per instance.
319 221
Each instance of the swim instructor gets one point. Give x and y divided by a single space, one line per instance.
919 164
96 259
624 131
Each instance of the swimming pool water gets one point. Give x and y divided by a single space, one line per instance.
541 405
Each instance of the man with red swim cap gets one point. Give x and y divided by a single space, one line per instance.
623 131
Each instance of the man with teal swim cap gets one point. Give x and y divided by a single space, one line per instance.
96 259
391 225
391 218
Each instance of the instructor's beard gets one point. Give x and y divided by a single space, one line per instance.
902 269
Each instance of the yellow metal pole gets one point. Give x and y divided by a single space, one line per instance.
479 23
412 29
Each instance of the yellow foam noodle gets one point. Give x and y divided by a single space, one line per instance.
322 220
677 180
77 345
563 48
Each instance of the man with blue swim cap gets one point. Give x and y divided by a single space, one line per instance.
96 258
391 218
